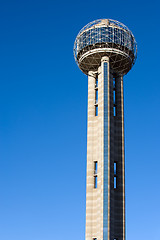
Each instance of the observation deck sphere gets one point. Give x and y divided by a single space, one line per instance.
105 37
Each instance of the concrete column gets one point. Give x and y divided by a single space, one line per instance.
105 206
90 146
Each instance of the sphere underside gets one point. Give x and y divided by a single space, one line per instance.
121 61
105 37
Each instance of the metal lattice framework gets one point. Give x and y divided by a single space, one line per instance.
105 37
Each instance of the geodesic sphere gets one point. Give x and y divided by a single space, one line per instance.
105 37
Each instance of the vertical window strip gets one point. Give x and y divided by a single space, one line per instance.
105 187
115 182
96 110
114 97
115 168
96 96
95 174
115 175
95 167
95 181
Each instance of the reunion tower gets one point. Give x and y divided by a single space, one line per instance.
105 50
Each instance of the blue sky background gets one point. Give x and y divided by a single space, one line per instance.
43 119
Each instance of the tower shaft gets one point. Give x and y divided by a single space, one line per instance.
105 196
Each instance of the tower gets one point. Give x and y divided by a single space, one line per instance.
105 50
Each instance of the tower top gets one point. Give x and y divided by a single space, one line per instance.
105 37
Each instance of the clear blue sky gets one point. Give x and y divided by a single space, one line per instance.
43 119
